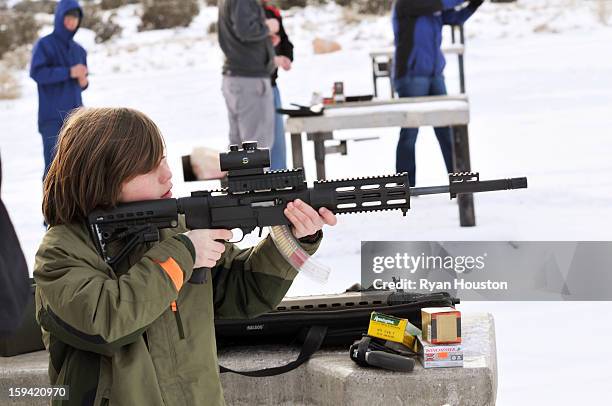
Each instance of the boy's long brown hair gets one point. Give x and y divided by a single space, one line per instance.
98 150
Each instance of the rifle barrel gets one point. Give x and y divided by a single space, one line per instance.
472 187
428 190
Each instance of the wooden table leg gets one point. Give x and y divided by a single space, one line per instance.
461 67
374 77
296 151
461 163
319 152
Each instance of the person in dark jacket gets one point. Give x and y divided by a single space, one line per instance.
245 36
59 67
419 65
14 282
284 58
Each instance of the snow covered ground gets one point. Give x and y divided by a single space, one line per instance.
540 87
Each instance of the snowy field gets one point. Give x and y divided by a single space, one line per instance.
539 79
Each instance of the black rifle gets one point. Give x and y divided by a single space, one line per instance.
255 198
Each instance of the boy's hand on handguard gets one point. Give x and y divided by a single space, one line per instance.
208 250
305 220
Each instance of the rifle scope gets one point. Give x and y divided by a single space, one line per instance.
249 157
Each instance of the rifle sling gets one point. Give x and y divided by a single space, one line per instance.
312 343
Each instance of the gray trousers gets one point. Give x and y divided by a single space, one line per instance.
250 107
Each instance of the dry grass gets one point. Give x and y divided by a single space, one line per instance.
18 58
9 84
351 16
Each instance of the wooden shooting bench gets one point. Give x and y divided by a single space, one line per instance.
382 60
412 112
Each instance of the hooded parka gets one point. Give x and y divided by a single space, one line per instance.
141 334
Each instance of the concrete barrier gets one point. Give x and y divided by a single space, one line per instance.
23 371
329 378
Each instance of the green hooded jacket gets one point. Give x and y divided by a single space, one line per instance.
141 334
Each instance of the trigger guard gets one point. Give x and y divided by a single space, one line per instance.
242 231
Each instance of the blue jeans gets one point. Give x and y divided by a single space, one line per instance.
415 86
278 154
49 132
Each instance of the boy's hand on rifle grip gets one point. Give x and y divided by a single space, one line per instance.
208 250
305 220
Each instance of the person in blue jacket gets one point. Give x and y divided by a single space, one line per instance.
419 65
59 67
284 59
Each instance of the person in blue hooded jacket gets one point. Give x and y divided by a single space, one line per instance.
419 65
59 67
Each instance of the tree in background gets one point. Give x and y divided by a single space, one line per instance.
160 14
16 29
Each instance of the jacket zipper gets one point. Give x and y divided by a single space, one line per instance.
177 316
